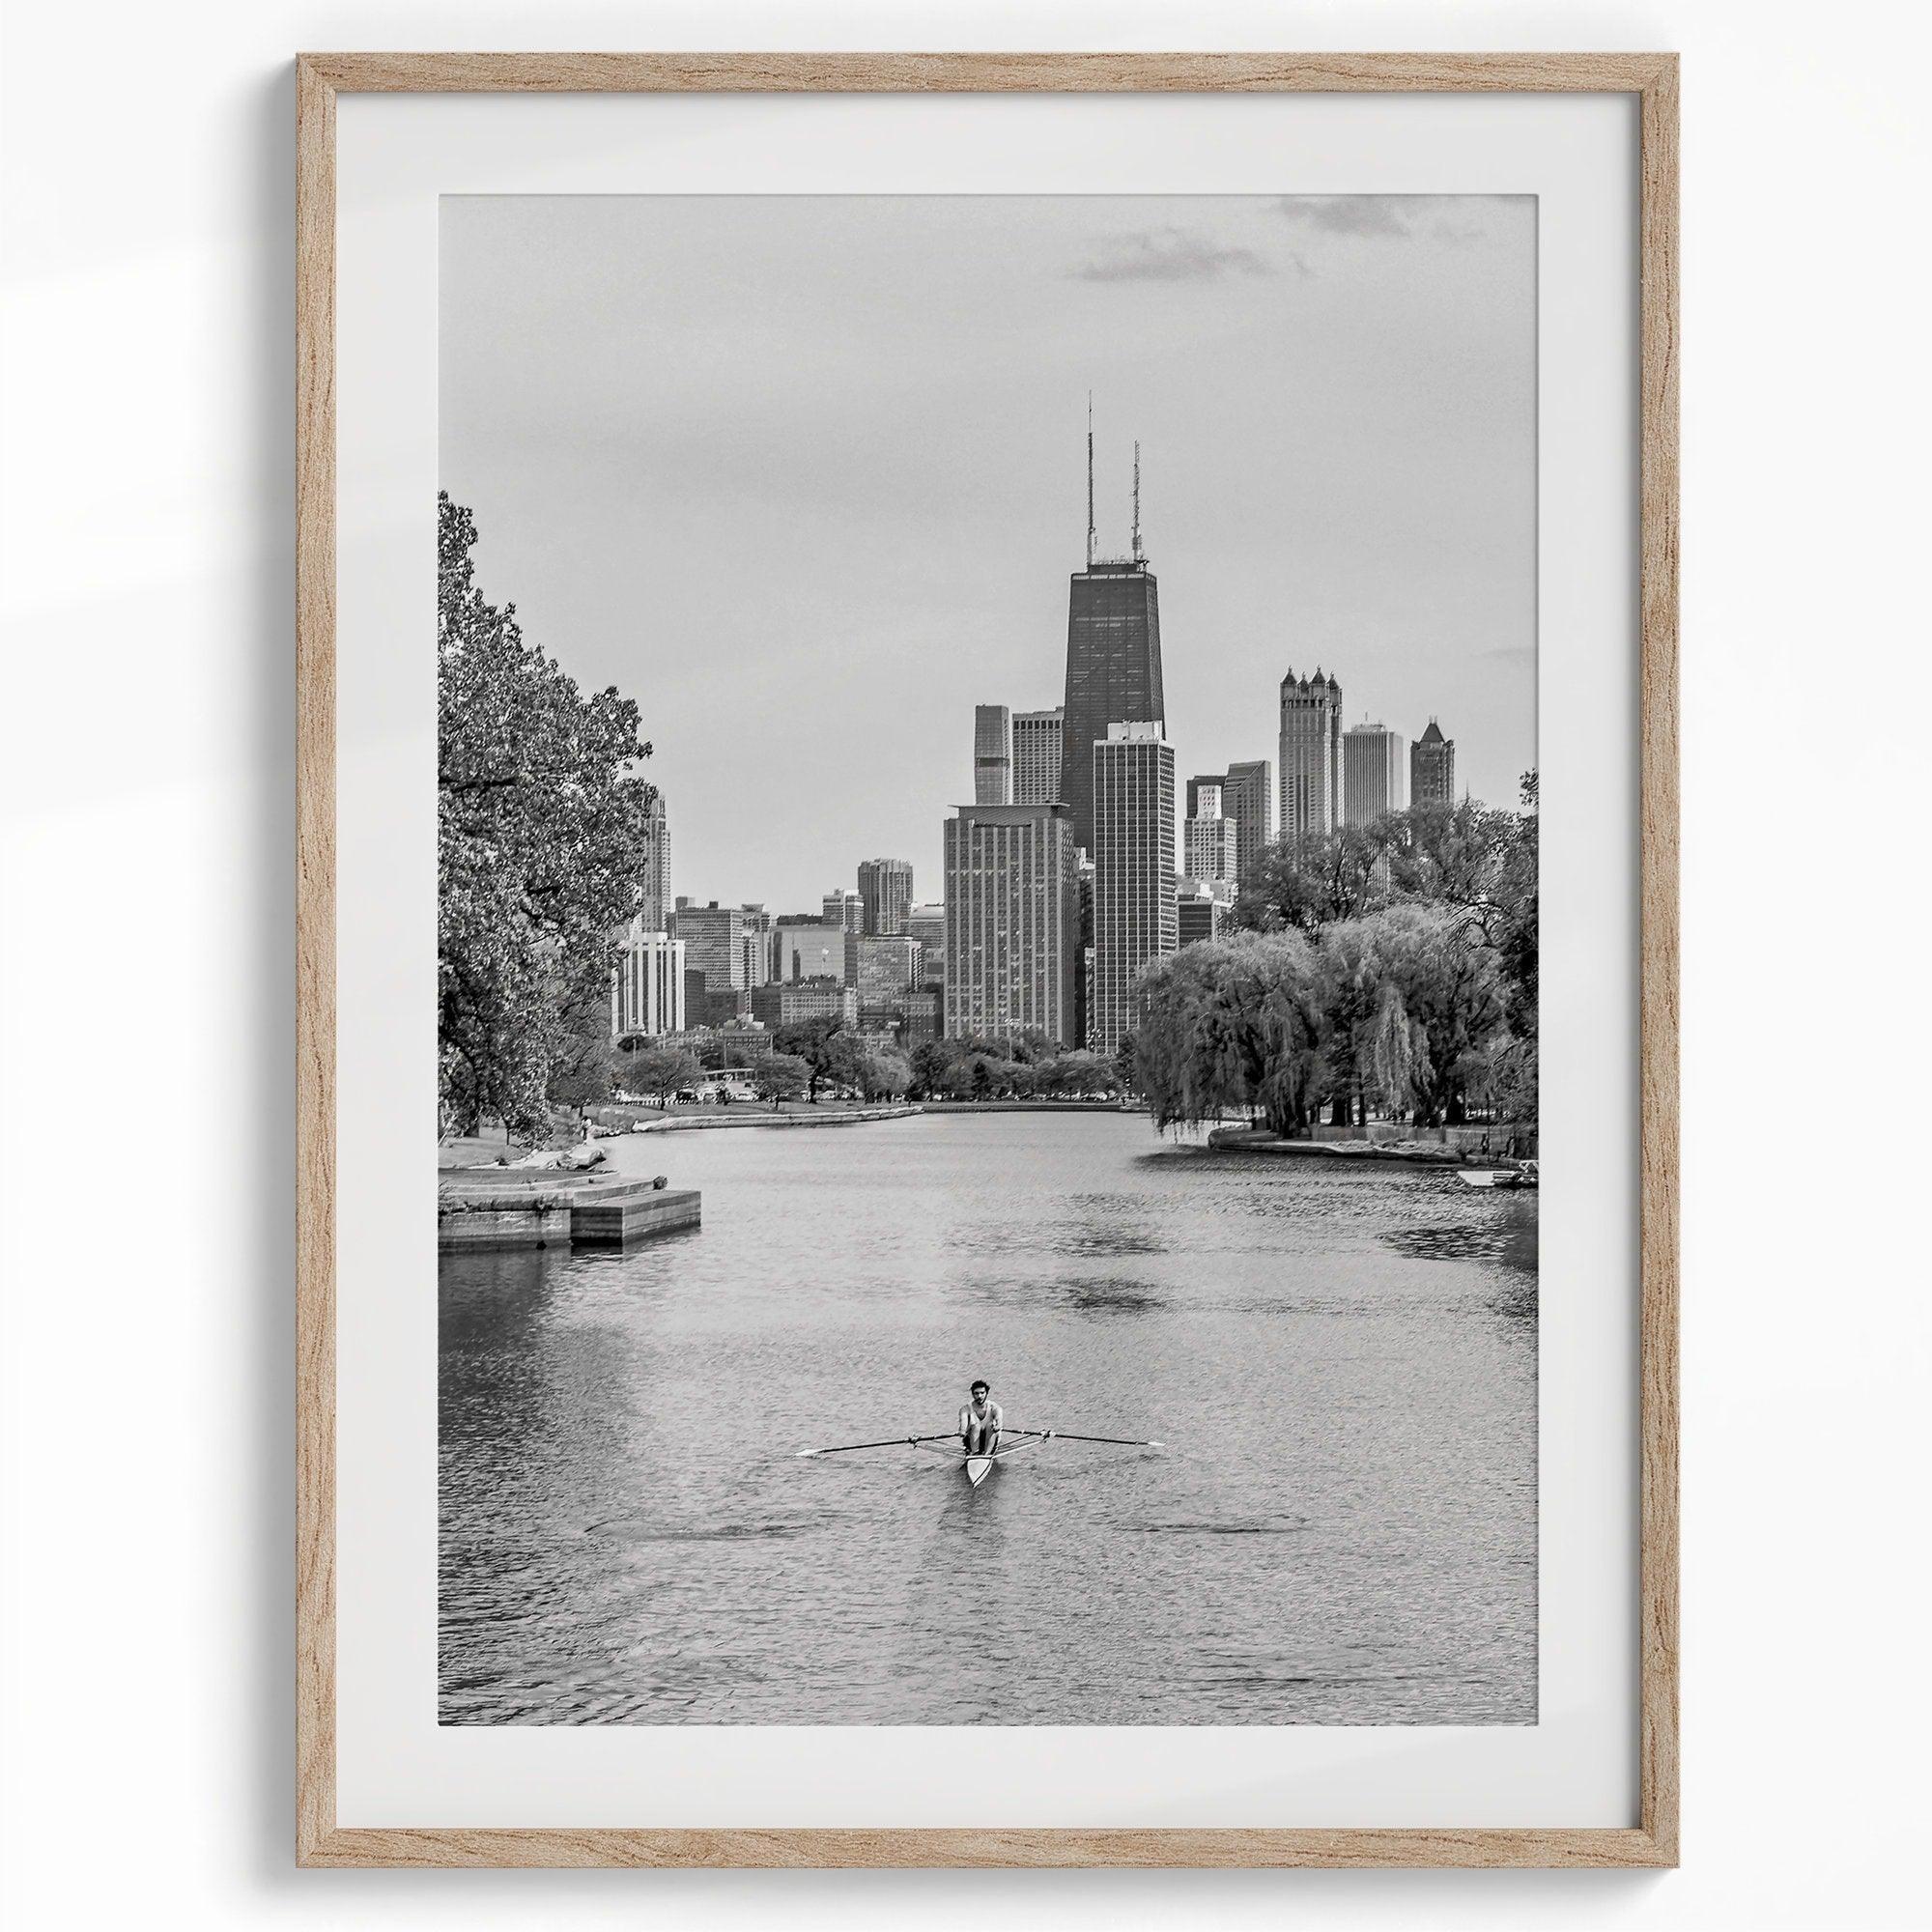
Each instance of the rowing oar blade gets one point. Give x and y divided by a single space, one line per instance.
889 1443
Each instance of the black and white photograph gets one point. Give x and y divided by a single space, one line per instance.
987 1152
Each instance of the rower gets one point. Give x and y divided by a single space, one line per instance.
980 1421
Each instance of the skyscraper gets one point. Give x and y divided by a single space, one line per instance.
1375 772
653 884
1432 768
1207 840
885 895
1038 739
1133 870
1247 797
1012 920
992 754
1113 655
1311 755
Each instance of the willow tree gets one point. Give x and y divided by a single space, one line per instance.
541 831
1233 1022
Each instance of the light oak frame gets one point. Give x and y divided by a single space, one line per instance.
319 77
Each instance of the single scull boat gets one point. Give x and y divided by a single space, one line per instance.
979 1465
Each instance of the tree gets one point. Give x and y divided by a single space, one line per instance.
814 1042
541 835
657 1071
885 1075
1302 883
780 1076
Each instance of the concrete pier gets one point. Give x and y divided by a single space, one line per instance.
504 1207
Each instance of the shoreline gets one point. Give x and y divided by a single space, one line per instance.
1408 1153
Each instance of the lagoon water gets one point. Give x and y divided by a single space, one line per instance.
1341 1358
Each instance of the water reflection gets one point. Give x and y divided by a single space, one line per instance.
1342 1360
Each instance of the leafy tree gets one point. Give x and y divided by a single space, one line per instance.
814 1042
780 1076
885 1075
541 836
1305 883
657 1071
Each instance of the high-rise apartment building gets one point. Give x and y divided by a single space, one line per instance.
1208 837
1311 755
646 984
1432 768
992 754
1012 921
844 909
885 894
1037 741
654 882
1133 870
1375 773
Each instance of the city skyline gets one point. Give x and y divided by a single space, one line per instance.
650 550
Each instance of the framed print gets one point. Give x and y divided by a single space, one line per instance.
995 735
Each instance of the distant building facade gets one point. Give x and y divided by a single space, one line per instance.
1375 773
882 969
1133 870
808 951
1208 838
647 985
793 1002
927 924
1012 921
925 1016
1432 768
1038 739
992 754
1311 755
1197 913
728 945
885 895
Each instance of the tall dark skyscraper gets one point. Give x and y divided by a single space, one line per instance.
1112 656
1432 768
885 893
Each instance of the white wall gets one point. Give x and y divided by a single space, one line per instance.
145 1137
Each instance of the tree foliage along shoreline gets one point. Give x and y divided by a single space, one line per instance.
541 837
1387 969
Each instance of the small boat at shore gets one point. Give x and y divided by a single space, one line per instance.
1525 1176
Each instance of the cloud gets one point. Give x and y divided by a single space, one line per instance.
1379 216
1167 255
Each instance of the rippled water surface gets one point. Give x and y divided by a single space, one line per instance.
1341 1358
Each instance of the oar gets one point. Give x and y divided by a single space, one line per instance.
1061 1436
890 1442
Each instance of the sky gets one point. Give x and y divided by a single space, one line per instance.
805 477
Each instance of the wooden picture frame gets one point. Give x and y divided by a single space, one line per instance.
321 78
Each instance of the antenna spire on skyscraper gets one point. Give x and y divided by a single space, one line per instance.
1090 479
1137 503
